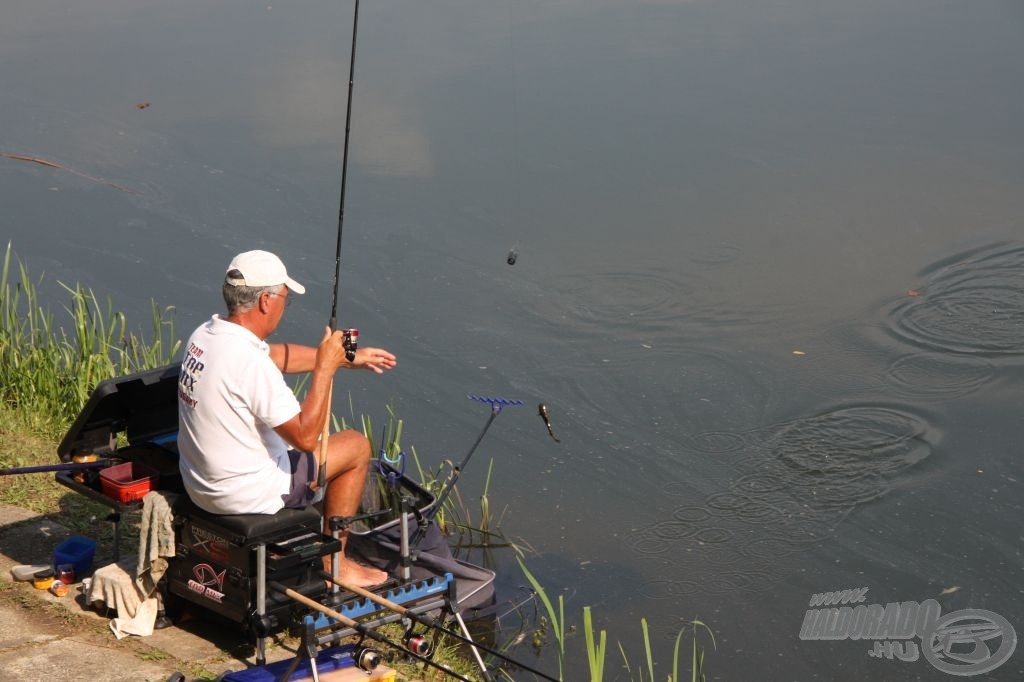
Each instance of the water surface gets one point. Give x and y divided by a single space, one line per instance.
768 276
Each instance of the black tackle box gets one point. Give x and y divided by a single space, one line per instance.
133 419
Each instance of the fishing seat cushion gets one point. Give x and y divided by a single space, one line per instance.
247 529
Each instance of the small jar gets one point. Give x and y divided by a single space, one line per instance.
66 573
43 579
59 589
79 476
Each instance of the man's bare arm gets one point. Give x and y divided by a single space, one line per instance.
293 357
304 429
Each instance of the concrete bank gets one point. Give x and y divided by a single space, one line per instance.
58 639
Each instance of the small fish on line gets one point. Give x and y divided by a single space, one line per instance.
542 410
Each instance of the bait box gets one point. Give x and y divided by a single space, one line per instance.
77 551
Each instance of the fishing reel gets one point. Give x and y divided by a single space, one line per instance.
366 659
350 342
418 644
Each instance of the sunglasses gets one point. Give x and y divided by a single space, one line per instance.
287 298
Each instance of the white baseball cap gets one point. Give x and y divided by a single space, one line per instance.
261 269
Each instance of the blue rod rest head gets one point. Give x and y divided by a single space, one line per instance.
399 456
495 403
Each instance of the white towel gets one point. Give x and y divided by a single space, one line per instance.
114 587
133 593
156 539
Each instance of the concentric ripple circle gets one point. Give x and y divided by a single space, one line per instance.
847 443
972 303
939 375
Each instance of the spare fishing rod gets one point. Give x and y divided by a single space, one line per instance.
362 629
423 619
350 340
67 466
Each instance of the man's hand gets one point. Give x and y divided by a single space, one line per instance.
330 354
374 359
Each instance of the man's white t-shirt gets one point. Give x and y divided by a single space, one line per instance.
230 398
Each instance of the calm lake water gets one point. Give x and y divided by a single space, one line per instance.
770 274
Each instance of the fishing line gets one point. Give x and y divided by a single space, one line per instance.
513 253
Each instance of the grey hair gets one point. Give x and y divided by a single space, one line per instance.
242 298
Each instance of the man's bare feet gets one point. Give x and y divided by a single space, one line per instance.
352 573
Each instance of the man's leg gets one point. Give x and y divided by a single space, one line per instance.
348 461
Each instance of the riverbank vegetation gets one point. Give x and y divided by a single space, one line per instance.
48 369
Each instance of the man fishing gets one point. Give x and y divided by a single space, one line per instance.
246 443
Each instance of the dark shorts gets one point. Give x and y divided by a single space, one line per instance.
303 473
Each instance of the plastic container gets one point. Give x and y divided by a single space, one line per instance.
27 571
43 579
128 482
78 552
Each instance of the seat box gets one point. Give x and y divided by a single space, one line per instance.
216 565
226 591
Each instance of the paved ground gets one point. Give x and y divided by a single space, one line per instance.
43 637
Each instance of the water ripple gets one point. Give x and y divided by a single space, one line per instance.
792 484
844 443
972 303
939 375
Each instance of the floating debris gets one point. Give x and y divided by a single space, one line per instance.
58 166
512 256
143 105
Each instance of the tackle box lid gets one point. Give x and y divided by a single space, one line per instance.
143 405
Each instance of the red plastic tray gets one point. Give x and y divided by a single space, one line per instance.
128 482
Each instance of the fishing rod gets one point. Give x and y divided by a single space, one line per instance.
362 629
68 466
350 339
344 165
432 623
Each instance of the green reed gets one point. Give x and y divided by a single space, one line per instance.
48 370
557 620
595 643
455 518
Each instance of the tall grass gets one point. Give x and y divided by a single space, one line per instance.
47 370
